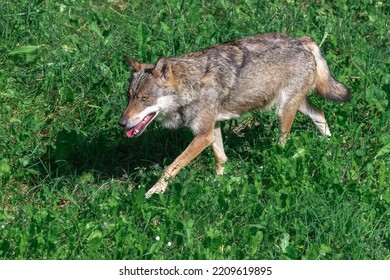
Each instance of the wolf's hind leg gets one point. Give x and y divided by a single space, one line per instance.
316 115
286 115
218 150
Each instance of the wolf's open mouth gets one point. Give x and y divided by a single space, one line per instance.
140 127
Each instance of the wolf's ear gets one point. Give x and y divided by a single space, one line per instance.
134 65
162 69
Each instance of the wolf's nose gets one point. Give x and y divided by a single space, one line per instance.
122 122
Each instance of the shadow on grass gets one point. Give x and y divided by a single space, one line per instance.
111 155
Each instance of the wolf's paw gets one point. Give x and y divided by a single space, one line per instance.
159 187
220 169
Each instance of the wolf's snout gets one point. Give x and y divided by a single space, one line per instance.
122 122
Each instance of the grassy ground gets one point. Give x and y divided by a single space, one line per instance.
72 185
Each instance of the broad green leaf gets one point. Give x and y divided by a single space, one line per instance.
25 49
4 167
95 234
300 153
284 242
384 151
166 28
93 26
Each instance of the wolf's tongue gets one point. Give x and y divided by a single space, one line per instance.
131 132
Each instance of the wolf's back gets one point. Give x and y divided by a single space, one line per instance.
325 85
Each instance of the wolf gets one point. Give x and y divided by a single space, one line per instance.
202 88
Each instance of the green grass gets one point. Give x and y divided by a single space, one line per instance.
72 185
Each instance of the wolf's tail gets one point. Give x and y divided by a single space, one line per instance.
325 85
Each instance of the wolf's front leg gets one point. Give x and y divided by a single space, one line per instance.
197 145
159 187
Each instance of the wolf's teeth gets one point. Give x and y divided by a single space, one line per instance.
136 131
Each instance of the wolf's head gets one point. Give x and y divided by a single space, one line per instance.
150 93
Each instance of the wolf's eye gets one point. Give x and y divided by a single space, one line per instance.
144 98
